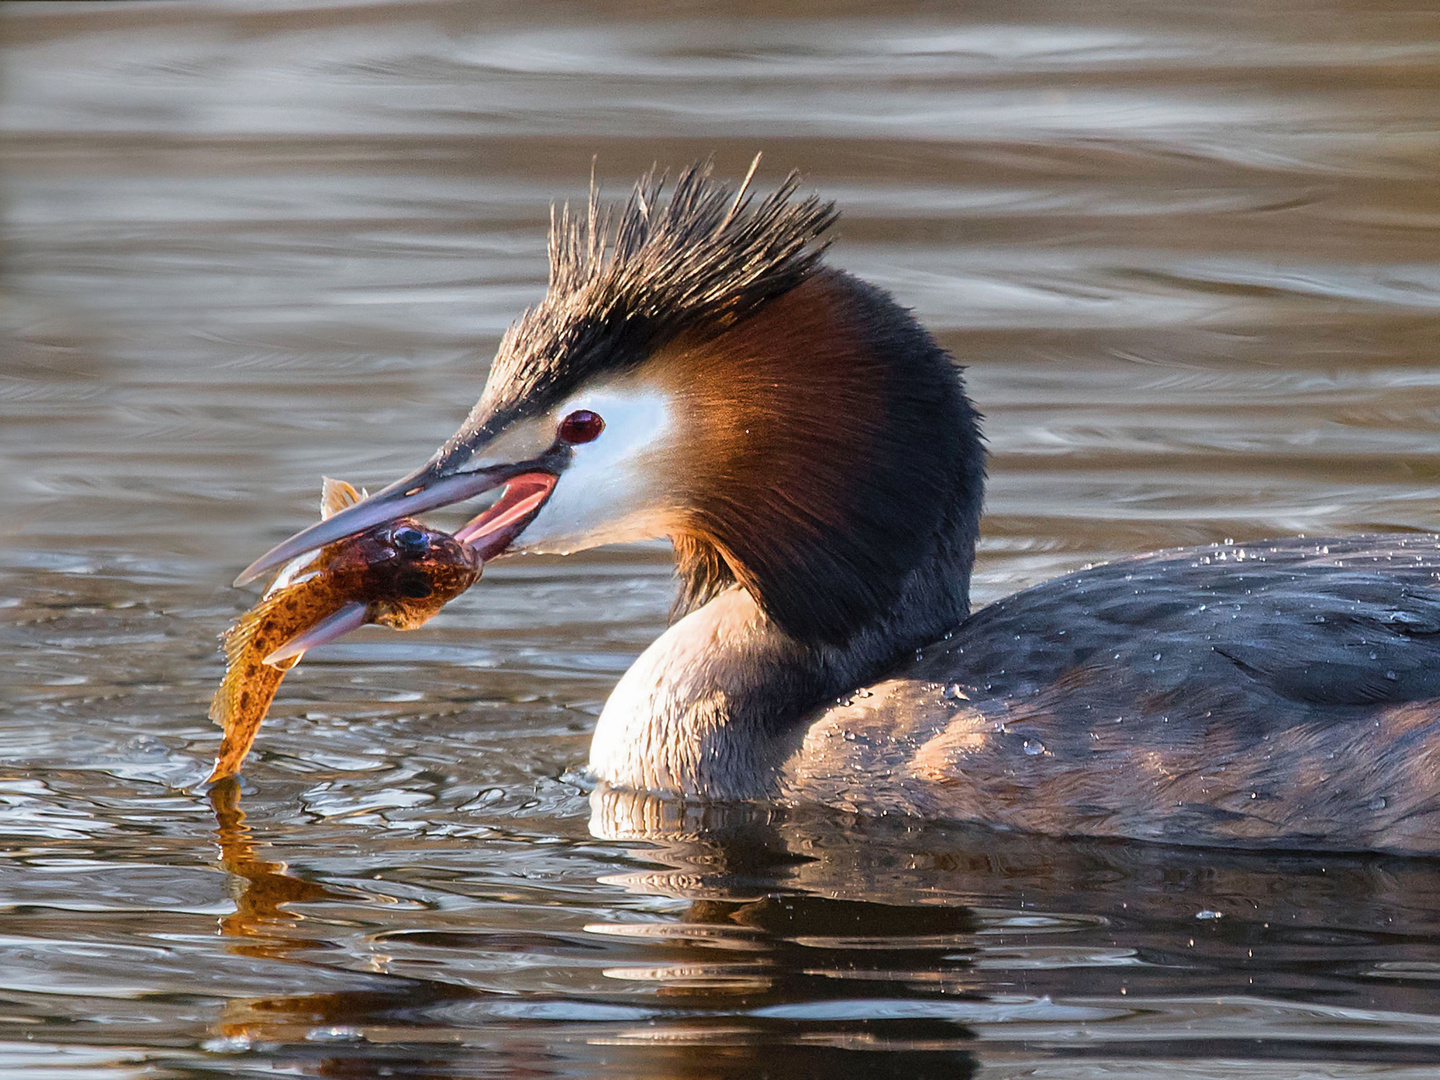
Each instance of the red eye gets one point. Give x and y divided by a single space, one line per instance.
581 426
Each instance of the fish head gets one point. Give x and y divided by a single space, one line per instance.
412 571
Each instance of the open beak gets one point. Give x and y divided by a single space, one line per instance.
525 487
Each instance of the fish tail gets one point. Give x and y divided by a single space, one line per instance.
239 705
249 686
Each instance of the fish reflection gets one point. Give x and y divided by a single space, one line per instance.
260 888
316 1022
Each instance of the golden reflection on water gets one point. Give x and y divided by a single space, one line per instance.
261 888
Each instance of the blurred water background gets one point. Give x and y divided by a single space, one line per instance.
1190 254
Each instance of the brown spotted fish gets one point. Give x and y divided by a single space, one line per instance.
398 574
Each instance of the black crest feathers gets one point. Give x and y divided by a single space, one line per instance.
708 251
625 280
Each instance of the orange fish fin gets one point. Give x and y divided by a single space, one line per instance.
242 631
336 495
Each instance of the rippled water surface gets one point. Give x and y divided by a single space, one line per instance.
1191 256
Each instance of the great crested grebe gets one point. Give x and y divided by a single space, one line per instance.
695 371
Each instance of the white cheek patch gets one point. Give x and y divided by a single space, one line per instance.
613 491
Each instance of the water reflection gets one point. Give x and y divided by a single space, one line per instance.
710 1017
261 888
810 944
1135 945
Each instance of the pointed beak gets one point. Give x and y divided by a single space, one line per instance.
331 628
526 487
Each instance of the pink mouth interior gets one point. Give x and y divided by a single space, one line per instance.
491 532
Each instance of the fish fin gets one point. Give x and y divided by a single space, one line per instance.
242 631
336 495
222 705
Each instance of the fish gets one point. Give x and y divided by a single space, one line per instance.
398 574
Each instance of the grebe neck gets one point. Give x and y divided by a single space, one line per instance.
826 579
713 707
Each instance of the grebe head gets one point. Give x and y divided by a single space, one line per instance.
695 372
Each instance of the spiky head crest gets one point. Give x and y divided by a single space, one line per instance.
627 280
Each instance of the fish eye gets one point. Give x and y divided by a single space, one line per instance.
411 541
581 426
